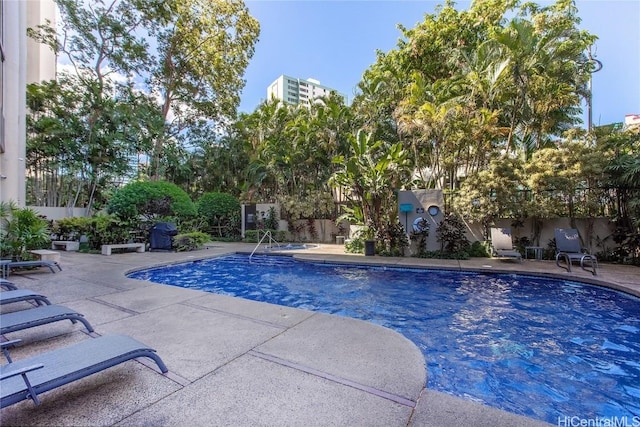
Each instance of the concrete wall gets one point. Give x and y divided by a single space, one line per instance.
596 233
326 229
417 205
54 213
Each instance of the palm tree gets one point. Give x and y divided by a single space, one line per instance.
371 172
548 80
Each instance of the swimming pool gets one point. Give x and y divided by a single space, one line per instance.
538 347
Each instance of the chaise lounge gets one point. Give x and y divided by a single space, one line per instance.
8 265
27 378
21 295
503 244
25 319
7 285
569 249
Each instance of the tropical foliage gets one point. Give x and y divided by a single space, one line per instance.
21 230
124 56
483 103
221 212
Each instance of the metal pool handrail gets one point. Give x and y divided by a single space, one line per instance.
271 242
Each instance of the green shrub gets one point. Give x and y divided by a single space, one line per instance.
190 241
271 221
100 230
21 230
220 211
355 245
451 235
71 228
393 242
479 250
234 226
152 202
107 229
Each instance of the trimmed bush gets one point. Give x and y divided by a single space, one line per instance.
100 230
71 228
151 202
220 211
190 241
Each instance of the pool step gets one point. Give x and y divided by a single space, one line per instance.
261 259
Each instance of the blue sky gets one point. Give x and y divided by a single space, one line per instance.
334 41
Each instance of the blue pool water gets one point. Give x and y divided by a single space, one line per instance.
538 347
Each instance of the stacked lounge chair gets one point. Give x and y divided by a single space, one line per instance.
38 316
43 314
28 378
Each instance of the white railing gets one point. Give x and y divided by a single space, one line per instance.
272 242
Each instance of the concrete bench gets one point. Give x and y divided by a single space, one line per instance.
139 247
46 255
65 245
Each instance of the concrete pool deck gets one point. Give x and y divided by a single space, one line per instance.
243 363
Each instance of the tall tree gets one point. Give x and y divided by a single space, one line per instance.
101 42
79 144
203 48
474 85
622 178
191 54
370 173
548 65
99 39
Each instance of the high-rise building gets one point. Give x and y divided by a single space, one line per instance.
41 59
298 91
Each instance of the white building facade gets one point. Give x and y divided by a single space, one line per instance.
41 59
13 72
23 61
293 90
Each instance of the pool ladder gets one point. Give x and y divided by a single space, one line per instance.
272 241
